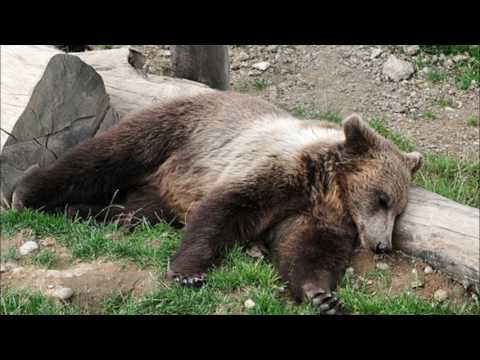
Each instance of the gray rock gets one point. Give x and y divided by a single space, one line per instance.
61 293
382 266
262 66
27 248
397 70
412 50
428 270
459 58
440 295
350 271
68 105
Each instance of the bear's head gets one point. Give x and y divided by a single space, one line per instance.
377 177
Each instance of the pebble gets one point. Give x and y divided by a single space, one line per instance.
249 304
27 248
382 266
3 268
440 295
428 270
350 271
262 66
62 293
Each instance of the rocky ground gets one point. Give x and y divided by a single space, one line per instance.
391 82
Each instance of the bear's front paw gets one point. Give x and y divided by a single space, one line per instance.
191 281
328 303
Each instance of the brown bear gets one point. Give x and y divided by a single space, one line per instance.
237 170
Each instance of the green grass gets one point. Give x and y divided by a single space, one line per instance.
464 72
455 179
31 303
262 84
300 112
473 121
429 115
435 75
400 140
45 258
445 102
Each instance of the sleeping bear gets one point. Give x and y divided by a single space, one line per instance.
234 169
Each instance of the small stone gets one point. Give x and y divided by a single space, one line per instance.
376 53
412 50
50 286
62 293
428 270
262 66
350 271
27 248
417 284
397 69
448 108
369 282
440 295
460 57
249 304
3 268
382 266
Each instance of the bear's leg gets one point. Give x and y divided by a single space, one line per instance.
94 172
141 204
313 260
222 220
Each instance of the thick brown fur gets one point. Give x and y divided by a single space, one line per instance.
227 166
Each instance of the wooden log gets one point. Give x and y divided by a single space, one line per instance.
443 233
207 64
433 228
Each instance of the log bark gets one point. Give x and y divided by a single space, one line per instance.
433 228
443 233
207 64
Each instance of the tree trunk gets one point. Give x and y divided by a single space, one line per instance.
207 64
433 228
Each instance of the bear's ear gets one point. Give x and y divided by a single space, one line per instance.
414 161
359 137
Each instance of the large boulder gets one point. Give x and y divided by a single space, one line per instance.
68 105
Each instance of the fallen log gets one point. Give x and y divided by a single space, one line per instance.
433 228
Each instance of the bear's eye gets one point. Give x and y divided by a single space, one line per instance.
383 200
